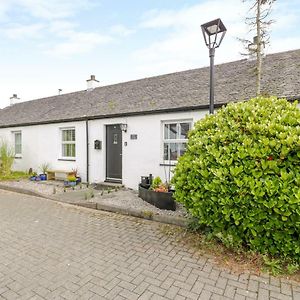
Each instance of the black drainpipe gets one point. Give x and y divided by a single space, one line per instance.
87 150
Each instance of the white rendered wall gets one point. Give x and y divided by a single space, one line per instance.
140 157
42 144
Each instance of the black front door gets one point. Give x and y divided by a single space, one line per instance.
113 152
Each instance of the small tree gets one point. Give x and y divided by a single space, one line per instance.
7 157
259 23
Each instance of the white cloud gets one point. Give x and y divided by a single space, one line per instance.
121 30
20 31
61 27
4 7
59 34
196 14
182 45
53 9
79 42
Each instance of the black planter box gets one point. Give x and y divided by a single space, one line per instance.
158 199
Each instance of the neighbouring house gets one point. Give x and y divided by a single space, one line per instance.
123 131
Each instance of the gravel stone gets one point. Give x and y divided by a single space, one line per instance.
124 198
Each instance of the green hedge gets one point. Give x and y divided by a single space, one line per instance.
240 176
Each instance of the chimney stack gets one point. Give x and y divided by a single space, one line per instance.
14 99
92 83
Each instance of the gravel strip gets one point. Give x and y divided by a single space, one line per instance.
124 198
127 198
42 187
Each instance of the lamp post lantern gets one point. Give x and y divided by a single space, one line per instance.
213 33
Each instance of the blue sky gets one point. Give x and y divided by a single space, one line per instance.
46 45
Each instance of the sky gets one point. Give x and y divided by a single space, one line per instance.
50 45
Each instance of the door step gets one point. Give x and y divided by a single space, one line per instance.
107 186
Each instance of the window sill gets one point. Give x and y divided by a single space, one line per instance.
18 157
67 159
169 164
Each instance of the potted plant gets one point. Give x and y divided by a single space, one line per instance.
71 181
78 178
44 167
158 194
33 176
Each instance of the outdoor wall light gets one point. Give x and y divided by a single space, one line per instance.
123 127
213 33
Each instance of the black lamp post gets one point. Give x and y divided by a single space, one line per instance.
213 33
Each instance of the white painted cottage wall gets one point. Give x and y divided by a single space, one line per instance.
140 157
42 143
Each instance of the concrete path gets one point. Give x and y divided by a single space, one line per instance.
51 250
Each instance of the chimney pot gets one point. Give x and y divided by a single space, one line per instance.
14 99
92 83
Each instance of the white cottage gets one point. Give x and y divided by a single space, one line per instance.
123 131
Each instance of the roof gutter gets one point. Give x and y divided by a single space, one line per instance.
129 114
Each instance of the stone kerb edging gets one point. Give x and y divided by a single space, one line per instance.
148 215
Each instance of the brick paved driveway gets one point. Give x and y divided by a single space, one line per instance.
54 251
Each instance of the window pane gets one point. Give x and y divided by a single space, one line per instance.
73 135
166 151
73 154
182 148
166 131
173 151
170 151
18 138
173 131
18 143
18 149
184 129
68 135
68 150
64 150
64 135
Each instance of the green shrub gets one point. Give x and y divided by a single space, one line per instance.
156 183
7 157
240 176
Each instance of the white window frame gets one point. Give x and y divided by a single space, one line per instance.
19 154
177 140
62 143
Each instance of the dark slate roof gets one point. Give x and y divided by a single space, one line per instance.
235 81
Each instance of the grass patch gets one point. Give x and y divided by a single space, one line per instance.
14 175
237 260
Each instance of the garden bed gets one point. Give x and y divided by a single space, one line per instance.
122 198
162 200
